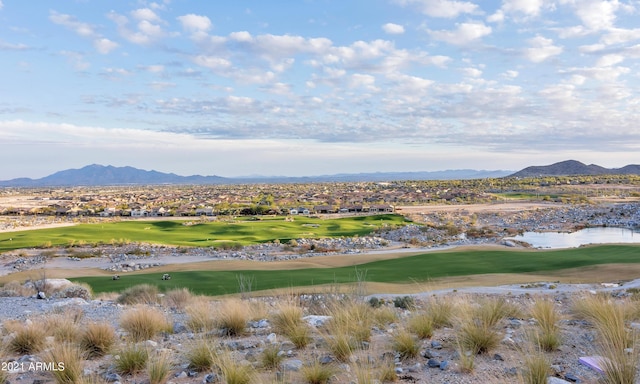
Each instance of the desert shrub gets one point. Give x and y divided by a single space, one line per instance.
300 335
405 345
288 316
271 358
144 323
232 372
14 288
374 302
615 342
384 316
61 327
159 368
97 339
351 318
317 373
200 356
232 317
178 298
548 335
341 345
387 371
139 294
131 359
72 357
82 291
421 324
200 315
404 302
441 312
478 337
536 368
28 339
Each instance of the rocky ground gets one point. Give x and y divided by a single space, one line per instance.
439 360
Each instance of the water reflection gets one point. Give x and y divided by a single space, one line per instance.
599 235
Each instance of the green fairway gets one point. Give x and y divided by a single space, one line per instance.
418 268
197 233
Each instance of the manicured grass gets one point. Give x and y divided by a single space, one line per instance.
418 268
242 231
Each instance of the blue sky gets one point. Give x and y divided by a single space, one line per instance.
315 87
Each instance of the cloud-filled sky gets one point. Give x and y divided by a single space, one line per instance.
311 87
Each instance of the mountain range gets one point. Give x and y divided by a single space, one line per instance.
573 167
98 175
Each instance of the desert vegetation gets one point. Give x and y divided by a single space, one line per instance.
293 339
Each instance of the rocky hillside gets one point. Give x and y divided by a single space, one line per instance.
573 167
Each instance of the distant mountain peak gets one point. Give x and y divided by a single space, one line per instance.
98 175
574 168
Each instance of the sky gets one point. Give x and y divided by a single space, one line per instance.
317 87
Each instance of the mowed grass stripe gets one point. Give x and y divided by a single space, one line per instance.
242 231
419 268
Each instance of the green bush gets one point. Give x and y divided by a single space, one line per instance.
404 302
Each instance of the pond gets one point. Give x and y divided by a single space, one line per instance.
597 235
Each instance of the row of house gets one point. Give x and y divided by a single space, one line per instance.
326 209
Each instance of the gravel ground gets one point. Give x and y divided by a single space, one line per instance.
499 366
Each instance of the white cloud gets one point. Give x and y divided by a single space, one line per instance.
609 60
472 72
541 49
393 29
1 5
464 34
146 31
441 8
145 14
596 15
70 22
195 23
359 80
104 45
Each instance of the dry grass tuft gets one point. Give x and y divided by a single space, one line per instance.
406 345
28 339
144 323
178 298
200 315
62 327
131 359
67 358
536 368
271 358
97 339
233 372
200 356
139 294
547 336
232 317
287 317
317 373
421 324
159 367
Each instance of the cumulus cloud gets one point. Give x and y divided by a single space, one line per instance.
441 8
393 29
541 49
195 23
147 30
597 14
104 45
464 33
525 8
